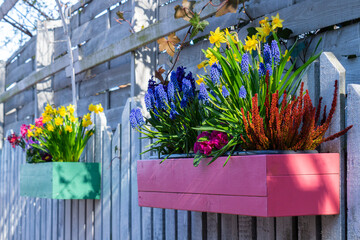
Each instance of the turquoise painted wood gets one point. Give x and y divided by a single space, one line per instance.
61 180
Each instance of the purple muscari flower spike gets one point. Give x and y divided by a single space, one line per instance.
149 101
184 102
225 92
262 70
203 94
161 97
267 54
174 80
245 63
132 118
242 92
187 89
180 74
139 117
189 76
215 73
275 52
214 95
173 112
269 68
151 84
171 90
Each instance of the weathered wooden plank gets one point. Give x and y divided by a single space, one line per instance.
67 220
116 182
183 227
94 8
265 228
90 148
213 226
6 6
61 220
119 97
229 226
10 118
124 7
284 228
83 103
125 174
245 226
196 225
353 169
19 73
19 100
106 184
89 29
333 227
113 117
26 110
307 228
63 97
16 125
48 220
105 81
75 227
28 51
81 221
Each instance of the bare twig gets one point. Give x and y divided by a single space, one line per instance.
38 9
18 26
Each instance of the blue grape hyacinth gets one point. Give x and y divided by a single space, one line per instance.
267 54
269 68
161 97
242 92
203 93
262 70
215 73
275 52
245 63
139 117
173 112
225 92
187 89
171 91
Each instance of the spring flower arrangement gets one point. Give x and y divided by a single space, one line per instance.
252 96
175 109
57 135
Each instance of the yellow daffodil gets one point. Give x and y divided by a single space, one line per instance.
276 22
200 79
86 123
59 121
87 116
263 32
30 134
90 134
62 111
236 58
68 128
209 54
203 64
92 107
49 109
38 131
71 109
50 127
212 61
217 37
250 43
264 21
233 36
72 119
32 126
46 118
98 108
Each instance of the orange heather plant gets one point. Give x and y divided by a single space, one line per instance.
288 125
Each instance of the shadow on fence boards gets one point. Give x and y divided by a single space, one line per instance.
118 216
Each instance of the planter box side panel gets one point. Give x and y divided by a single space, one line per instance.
300 195
242 176
76 180
243 205
36 180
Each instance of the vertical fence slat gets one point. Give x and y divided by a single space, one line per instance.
245 227
353 167
74 219
61 220
170 224
283 228
54 206
67 220
90 203
196 225
183 224
333 227
265 228
229 227
125 174
48 223
116 187
106 189
213 226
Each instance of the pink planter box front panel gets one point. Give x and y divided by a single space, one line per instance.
255 185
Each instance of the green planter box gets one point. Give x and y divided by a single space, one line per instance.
61 180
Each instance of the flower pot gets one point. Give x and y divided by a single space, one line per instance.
267 185
61 180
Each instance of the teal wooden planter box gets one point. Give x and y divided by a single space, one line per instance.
61 180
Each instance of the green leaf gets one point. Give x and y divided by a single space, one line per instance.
197 25
198 158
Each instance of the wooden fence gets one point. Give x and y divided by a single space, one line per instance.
113 64
118 216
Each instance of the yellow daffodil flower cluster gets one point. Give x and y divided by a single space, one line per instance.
60 117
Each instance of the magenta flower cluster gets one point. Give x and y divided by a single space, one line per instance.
213 140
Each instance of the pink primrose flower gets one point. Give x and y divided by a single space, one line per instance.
39 122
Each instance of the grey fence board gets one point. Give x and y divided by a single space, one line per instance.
19 73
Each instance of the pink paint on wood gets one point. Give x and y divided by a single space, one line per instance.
256 185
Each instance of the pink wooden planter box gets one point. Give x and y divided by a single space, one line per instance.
255 185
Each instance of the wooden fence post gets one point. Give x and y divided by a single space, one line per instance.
353 156
2 113
333 227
